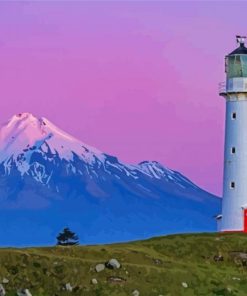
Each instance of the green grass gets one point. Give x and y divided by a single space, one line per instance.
155 267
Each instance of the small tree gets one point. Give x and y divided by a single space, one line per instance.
67 238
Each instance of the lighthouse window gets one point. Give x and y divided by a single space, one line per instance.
233 150
232 185
238 67
244 65
226 65
234 115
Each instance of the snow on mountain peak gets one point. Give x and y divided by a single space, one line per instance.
158 171
25 133
155 169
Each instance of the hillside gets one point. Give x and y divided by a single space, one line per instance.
190 264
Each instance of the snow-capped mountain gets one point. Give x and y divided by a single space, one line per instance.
49 179
23 134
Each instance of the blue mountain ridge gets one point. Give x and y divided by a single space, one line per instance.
103 200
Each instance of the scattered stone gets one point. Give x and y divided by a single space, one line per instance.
185 285
240 258
68 287
2 290
240 255
157 261
116 280
236 279
5 281
24 292
99 267
135 293
113 264
218 258
94 281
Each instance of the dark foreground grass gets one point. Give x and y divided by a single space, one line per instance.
210 264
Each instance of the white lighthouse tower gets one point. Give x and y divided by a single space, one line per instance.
234 204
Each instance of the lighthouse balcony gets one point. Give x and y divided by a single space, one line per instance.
233 85
222 88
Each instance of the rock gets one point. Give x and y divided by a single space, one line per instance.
68 287
236 279
94 281
241 255
218 258
135 293
5 281
99 267
116 279
113 264
157 261
24 292
185 285
240 258
2 290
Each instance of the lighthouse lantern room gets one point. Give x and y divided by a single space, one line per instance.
234 90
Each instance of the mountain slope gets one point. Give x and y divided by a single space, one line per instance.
49 180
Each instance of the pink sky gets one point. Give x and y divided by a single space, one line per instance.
135 79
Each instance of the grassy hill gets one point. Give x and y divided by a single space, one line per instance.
190 264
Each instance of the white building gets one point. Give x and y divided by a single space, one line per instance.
234 203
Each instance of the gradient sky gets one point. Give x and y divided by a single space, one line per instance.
135 79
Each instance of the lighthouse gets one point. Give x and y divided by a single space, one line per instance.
234 90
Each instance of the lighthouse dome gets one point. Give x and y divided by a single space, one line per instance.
236 62
240 50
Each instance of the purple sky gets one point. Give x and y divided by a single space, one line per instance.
135 79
